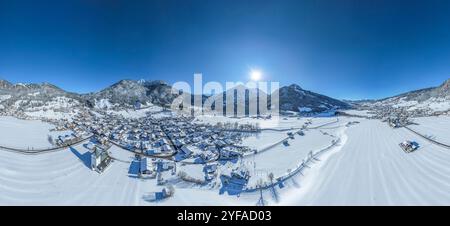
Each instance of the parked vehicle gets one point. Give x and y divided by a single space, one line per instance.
409 146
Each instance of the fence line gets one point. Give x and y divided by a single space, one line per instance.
427 138
42 151
287 138
299 168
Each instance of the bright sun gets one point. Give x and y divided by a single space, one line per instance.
255 75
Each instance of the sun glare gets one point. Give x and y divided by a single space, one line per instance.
255 75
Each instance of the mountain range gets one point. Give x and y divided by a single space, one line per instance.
126 94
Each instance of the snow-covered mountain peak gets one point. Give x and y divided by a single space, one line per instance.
295 86
5 84
293 98
445 86
126 93
155 83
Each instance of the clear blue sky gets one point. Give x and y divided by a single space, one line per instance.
344 49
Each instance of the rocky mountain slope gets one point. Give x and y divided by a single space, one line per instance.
37 99
294 98
426 101
129 93
291 98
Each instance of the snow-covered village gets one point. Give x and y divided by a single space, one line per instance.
235 104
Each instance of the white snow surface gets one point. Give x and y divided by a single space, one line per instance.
371 169
136 113
304 109
366 168
17 133
364 113
4 97
437 128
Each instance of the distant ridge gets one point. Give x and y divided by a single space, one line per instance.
127 93
426 101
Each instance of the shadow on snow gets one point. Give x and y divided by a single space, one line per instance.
85 158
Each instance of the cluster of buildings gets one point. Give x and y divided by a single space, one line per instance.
234 183
397 121
67 139
161 145
155 169
178 139
383 112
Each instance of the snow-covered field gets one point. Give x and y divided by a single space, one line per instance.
279 123
137 113
280 159
264 139
371 169
17 133
50 114
437 128
64 178
366 168
364 113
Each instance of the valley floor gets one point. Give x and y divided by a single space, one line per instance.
371 169
367 167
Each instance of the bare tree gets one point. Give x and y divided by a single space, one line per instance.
50 140
271 177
